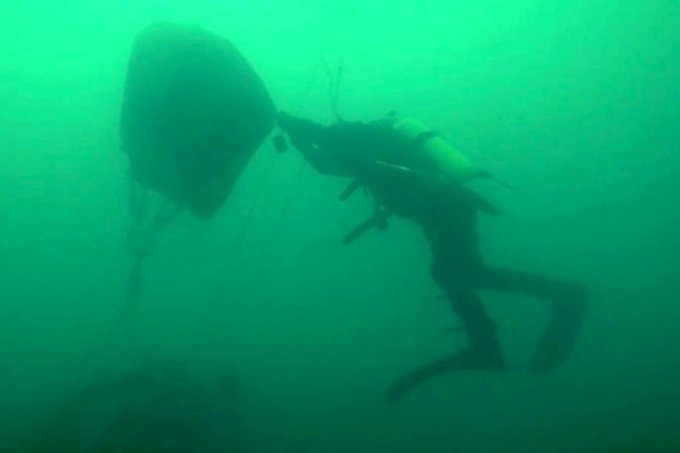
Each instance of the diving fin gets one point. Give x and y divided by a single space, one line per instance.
557 342
465 360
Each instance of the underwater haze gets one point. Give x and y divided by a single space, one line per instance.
575 104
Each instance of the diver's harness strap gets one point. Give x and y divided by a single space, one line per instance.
350 189
380 214
378 220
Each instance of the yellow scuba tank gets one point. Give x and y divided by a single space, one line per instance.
448 161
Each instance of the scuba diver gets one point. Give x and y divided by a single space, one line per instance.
414 173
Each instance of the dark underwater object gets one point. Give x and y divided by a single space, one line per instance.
146 410
194 112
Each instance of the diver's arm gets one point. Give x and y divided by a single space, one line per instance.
306 136
299 129
319 160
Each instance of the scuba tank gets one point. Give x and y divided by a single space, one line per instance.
440 155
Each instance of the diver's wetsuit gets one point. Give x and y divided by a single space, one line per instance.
448 218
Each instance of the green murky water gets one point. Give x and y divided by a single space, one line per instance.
575 104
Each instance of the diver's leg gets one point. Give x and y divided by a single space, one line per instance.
569 302
482 354
526 283
454 241
456 260
480 329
